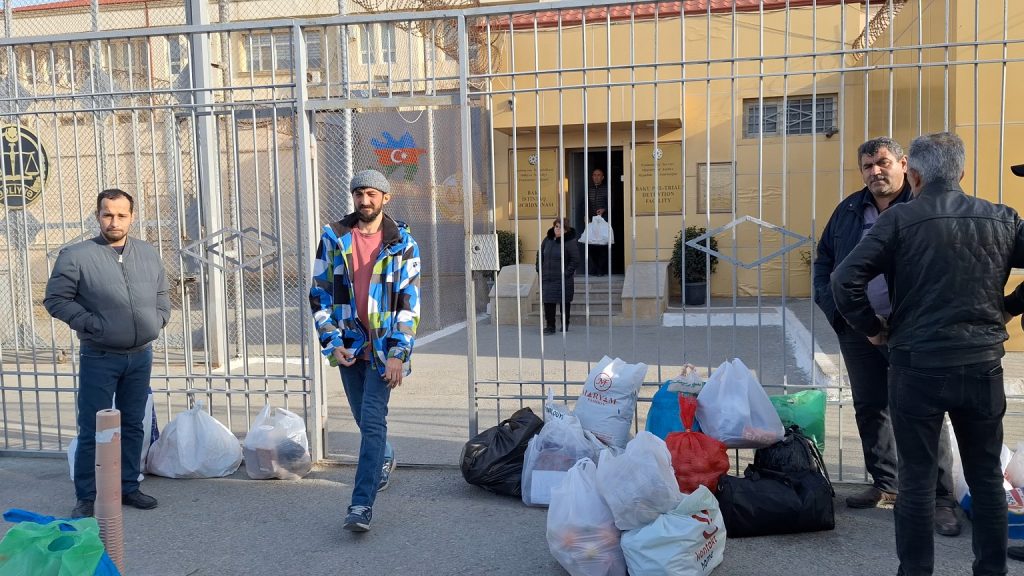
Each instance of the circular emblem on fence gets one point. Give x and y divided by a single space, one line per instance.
603 382
24 165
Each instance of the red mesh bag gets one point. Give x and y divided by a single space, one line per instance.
696 458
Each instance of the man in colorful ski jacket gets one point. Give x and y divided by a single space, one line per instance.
365 300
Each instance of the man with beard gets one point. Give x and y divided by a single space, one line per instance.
365 300
883 168
112 291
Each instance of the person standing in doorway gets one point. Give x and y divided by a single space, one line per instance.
557 261
365 299
883 168
597 202
113 291
946 257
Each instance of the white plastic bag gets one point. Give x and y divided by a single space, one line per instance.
549 456
734 409
606 405
638 484
1014 472
195 445
581 532
960 489
277 446
147 434
688 541
598 232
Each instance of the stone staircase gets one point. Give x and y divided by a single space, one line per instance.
598 291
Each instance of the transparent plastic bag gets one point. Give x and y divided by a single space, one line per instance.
734 409
638 484
277 446
581 531
550 454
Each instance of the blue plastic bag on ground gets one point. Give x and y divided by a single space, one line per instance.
663 417
43 562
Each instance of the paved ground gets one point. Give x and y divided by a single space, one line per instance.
430 522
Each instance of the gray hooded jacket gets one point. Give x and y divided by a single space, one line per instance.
116 302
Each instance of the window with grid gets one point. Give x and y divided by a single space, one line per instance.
130 56
270 51
801 115
176 48
370 52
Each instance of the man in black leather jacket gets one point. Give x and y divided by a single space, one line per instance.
883 168
946 257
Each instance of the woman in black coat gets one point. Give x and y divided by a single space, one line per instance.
553 275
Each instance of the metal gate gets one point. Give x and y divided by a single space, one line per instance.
217 166
733 122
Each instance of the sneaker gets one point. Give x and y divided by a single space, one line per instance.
138 500
385 473
946 522
870 498
84 509
358 519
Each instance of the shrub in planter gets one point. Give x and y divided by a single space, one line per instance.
508 249
696 266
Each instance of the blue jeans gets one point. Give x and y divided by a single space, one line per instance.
974 398
368 397
101 375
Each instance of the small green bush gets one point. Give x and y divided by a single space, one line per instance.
696 261
508 249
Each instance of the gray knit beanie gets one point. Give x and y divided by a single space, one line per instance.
370 179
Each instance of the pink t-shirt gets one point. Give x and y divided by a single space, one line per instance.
365 248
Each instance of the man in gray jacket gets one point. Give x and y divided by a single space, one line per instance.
112 291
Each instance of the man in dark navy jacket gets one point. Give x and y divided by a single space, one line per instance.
883 167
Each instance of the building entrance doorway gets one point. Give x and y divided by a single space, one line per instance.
581 165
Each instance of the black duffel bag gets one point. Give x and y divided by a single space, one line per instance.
796 452
765 502
493 459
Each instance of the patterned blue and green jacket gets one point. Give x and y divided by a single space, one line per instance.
394 298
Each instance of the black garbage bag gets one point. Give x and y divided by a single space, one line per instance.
493 459
765 502
796 452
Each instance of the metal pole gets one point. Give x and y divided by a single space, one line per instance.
467 211
209 178
347 168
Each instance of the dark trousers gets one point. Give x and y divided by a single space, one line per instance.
598 259
101 375
868 367
368 395
549 314
974 398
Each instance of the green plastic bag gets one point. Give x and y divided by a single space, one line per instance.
45 550
805 409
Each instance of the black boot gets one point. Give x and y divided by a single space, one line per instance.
549 318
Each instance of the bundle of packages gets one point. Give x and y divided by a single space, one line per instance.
195 445
549 456
686 541
638 484
493 459
697 458
606 405
734 408
276 446
581 531
663 417
786 490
